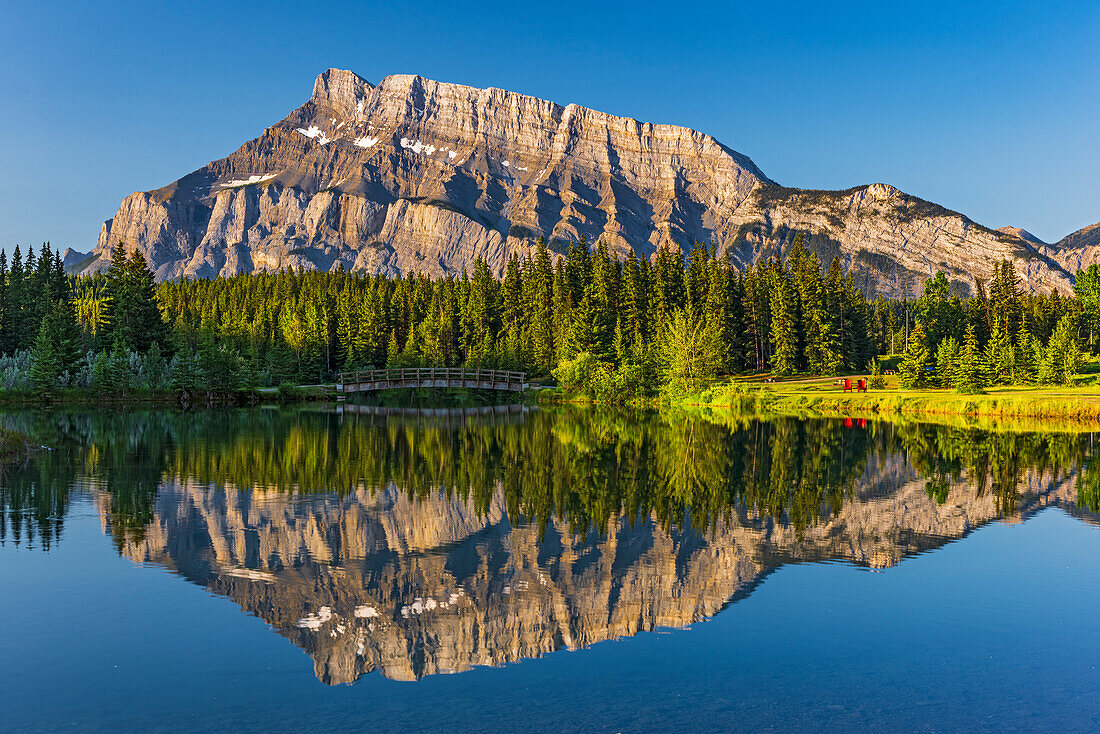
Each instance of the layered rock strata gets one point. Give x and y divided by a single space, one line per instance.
414 175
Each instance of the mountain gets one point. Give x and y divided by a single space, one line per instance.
417 175
72 260
1078 250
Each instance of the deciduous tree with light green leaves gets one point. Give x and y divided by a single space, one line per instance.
690 351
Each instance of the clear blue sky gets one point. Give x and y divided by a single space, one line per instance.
994 111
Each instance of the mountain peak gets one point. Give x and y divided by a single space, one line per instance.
1023 234
340 90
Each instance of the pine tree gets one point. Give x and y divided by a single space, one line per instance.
784 326
45 364
947 362
1026 369
1063 355
914 368
971 376
538 286
1000 354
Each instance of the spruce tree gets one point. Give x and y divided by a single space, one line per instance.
972 373
1000 355
913 370
133 318
947 362
784 326
538 284
1025 370
1063 355
45 364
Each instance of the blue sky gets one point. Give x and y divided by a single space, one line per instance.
993 111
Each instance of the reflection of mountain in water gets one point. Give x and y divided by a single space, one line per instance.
425 542
413 588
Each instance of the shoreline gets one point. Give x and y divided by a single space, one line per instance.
1076 406
1017 408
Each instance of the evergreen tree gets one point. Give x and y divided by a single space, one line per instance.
1000 354
971 376
1026 369
134 320
538 284
1062 357
784 326
915 367
947 363
45 364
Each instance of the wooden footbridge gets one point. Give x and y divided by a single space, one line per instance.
431 377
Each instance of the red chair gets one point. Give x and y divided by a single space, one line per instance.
862 386
847 386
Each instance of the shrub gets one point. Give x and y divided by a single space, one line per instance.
289 393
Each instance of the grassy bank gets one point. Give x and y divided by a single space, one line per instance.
15 447
1079 406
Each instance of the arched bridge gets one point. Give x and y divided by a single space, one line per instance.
439 377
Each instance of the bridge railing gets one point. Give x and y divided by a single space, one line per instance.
431 374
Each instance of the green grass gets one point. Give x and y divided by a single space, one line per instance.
1022 408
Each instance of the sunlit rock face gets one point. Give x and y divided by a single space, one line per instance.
414 175
375 580
1077 250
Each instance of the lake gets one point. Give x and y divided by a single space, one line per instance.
562 569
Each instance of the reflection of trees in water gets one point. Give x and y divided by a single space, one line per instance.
991 461
586 466
33 504
121 453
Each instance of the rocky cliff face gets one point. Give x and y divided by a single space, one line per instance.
889 240
1078 250
378 581
416 175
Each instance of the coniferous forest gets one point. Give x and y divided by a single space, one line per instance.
614 330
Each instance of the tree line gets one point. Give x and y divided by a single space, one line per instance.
999 336
613 329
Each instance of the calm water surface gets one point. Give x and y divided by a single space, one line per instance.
572 570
